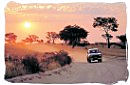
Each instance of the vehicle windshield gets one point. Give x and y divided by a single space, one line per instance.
94 51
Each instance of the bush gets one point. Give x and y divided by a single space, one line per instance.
14 69
62 53
31 64
62 58
83 43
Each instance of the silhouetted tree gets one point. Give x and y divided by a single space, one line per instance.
107 24
31 39
123 40
73 34
27 40
10 37
52 36
105 36
40 41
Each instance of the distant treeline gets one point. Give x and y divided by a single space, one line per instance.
75 35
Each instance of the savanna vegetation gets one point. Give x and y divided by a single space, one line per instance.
20 64
107 24
28 64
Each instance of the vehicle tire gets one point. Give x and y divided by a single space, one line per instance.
89 60
100 60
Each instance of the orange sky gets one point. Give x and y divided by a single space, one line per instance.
54 17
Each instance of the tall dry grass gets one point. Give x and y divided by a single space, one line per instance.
30 64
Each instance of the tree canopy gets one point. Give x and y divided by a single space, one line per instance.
107 24
52 36
31 39
73 34
10 37
122 38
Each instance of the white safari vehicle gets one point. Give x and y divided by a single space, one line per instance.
94 55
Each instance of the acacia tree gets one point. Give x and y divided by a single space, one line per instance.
107 24
31 39
73 34
105 36
10 37
52 36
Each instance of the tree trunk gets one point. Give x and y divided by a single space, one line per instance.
53 41
108 42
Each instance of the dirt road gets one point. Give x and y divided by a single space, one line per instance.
106 72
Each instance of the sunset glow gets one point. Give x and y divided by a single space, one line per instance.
65 43
27 25
43 18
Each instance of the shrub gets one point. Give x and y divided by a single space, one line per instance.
31 64
62 58
53 65
62 53
14 69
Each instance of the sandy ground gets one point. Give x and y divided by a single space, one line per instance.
112 69
106 72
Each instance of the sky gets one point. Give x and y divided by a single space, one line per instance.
54 17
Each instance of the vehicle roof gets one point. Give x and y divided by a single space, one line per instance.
93 49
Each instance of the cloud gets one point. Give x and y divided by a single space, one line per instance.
61 12
86 8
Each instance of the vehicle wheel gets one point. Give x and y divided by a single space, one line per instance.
89 60
100 60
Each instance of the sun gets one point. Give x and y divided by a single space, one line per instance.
27 25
